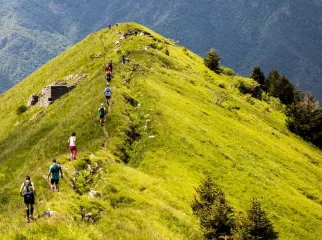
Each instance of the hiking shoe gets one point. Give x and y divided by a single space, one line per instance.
27 219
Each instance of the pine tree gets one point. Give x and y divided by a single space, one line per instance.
256 226
210 206
305 118
212 60
258 76
280 87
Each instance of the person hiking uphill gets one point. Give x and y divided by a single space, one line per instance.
110 65
102 112
108 94
123 60
54 171
72 147
108 74
27 190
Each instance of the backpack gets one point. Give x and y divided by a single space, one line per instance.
101 111
28 190
108 73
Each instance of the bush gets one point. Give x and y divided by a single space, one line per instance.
210 206
21 109
227 71
250 87
212 60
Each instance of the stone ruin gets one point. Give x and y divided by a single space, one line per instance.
49 94
32 100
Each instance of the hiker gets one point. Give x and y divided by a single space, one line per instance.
102 111
54 170
108 94
108 74
72 147
27 190
110 65
109 26
123 60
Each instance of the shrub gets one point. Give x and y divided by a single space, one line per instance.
250 87
212 60
210 206
219 98
21 109
227 71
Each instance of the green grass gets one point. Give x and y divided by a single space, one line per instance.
166 122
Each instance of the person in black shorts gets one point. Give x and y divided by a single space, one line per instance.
108 94
54 171
27 190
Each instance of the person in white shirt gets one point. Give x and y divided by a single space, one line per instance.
72 146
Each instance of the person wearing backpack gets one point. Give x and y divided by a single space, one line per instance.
27 190
54 171
123 60
108 94
108 74
102 112
72 147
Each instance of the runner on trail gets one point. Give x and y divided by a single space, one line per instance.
54 170
110 64
72 147
102 112
123 60
108 74
27 190
108 94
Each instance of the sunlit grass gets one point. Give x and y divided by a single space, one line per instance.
182 136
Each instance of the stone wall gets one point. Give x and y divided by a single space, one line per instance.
51 93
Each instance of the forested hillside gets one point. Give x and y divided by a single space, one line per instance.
274 34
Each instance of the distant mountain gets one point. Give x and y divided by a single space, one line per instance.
274 34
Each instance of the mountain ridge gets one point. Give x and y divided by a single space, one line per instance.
280 34
172 122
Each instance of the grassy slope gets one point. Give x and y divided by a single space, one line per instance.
249 151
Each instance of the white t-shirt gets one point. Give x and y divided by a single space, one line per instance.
72 141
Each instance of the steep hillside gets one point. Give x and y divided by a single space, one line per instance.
171 123
277 34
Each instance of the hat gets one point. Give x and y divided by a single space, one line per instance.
102 105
